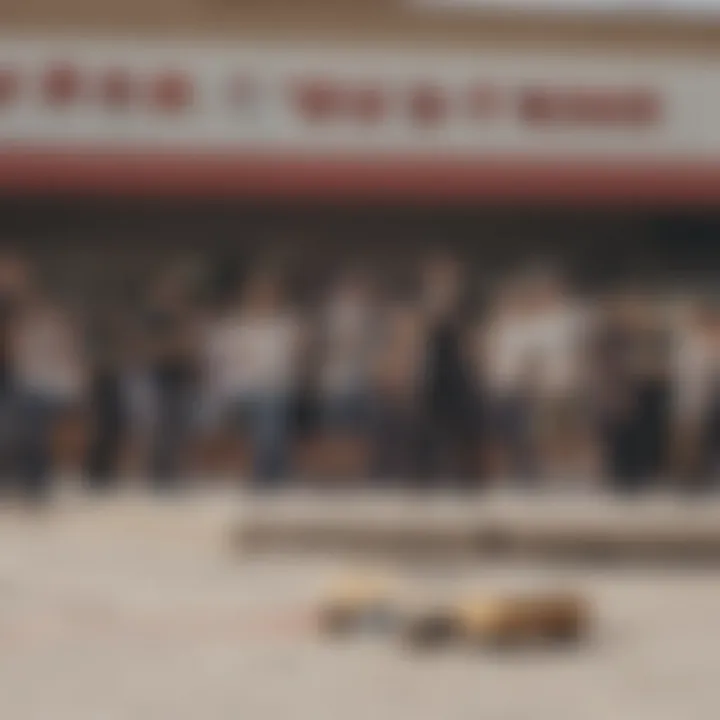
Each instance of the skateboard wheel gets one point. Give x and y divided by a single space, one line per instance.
357 605
563 618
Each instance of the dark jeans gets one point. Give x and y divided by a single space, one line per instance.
704 470
636 442
8 434
266 418
108 429
446 449
654 401
623 467
395 426
35 413
175 400
510 424
345 412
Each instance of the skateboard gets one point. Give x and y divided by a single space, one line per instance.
502 621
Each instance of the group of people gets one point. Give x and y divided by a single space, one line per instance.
429 383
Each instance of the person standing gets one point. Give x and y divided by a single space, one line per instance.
711 426
505 363
560 328
50 374
346 334
630 351
253 356
654 396
173 331
396 377
13 276
694 383
107 338
447 444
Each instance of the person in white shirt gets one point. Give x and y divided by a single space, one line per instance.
695 376
251 356
50 377
48 358
347 328
558 347
504 350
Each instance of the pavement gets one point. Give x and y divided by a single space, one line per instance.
134 608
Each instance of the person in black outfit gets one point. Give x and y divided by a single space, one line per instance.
11 282
709 465
632 394
447 443
654 400
107 339
172 328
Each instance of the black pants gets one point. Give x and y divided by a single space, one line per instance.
394 429
654 400
447 445
27 422
636 442
623 467
175 398
705 470
108 430
9 422
36 417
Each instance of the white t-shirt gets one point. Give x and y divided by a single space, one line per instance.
695 369
556 348
48 357
249 354
508 344
347 347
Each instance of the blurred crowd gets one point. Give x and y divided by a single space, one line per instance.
417 384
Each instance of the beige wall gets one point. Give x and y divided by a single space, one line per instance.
344 21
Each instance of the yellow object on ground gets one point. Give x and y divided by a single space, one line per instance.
523 618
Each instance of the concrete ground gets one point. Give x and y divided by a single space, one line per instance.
136 609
